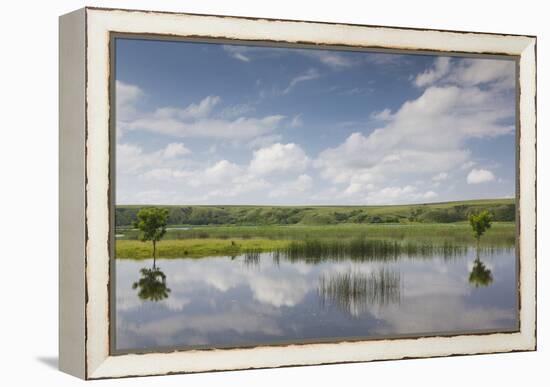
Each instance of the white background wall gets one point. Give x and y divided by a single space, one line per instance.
28 215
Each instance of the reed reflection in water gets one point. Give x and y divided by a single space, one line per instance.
354 292
315 250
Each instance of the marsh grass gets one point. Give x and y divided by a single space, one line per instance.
309 250
343 241
195 248
500 234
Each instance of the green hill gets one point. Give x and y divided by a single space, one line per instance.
503 210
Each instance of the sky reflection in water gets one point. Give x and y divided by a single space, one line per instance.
224 301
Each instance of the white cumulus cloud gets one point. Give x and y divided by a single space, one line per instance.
175 149
286 188
396 194
196 120
440 176
469 72
427 137
477 176
278 158
441 67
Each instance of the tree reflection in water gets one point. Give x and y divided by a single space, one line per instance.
152 285
481 275
354 292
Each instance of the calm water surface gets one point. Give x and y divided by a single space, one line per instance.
250 300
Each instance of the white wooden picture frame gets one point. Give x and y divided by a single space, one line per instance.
85 178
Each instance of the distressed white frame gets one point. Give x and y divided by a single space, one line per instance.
94 328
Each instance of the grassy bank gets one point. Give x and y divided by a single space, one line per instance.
319 242
196 248
319 231
501 233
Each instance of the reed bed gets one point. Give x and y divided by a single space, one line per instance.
500 234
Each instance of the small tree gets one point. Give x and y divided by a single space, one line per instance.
480 223
151 222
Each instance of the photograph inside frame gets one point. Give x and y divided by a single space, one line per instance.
270 195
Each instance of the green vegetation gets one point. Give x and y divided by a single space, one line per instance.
320 232
151 222
502 233
316 242
503 210
480 223
197 248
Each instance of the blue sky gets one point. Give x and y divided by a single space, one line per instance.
205 123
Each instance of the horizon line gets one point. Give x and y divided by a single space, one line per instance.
316 205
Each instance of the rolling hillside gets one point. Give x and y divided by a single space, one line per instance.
503 210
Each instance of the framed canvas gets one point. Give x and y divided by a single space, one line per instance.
242 193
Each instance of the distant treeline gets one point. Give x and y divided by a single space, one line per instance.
502 210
